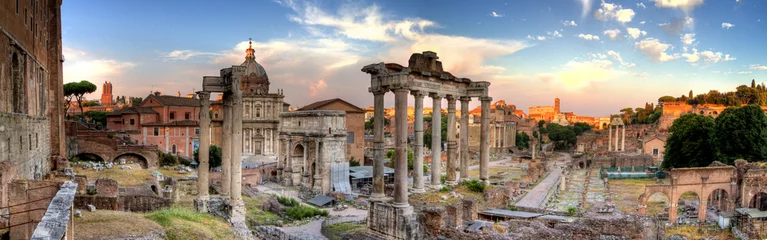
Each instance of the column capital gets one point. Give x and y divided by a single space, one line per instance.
450 98
436 95
400 89
227 99
378 91
204 98
465 99
486 99
417 93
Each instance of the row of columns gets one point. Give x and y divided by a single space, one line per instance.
618 139
231 150
400 171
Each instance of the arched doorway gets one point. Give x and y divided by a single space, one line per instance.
759 201
298 156
89 157
688 204
132 157
658 204
719 200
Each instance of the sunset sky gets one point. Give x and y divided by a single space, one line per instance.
597 57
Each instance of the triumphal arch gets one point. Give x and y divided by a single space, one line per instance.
422 77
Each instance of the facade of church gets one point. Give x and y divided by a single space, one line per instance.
261 109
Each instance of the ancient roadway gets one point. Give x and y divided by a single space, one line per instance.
537 195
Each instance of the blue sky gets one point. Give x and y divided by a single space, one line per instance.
598 57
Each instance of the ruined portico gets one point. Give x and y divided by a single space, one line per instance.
422 77
620 135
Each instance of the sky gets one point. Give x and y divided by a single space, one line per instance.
596 56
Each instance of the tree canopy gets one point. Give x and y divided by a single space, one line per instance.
690 142
77 90
214 156
523 140
562 136
741 133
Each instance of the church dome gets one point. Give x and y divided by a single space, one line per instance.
250 64
254 81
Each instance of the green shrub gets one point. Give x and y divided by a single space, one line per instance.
287 201
301 212
167 159
443 178
474 185
513 208
353 162
184 162
111 135
572 211
444 189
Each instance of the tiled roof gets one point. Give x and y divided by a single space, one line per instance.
176 101
317 105
132 110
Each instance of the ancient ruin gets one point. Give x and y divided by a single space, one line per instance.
620 137
423 76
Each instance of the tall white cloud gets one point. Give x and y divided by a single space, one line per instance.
688 38
635 32
655 50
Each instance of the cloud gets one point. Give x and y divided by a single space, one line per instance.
641 5
642 22
588 37
688 38
186 54
577 75
684 5
640 75
554 34
611 11
655 50
727 25
494 14
615 56
744 72
757 67
81 66
319 86
597 55
707 57
613 33
550 35
635 32
677 25
586 8
570 23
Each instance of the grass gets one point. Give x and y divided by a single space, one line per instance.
500 173
691 232
135 177
626 192
173 173
346 227
256 216
434 198
113 224
187 224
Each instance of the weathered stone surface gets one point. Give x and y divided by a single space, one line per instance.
57 218
91 208
107 187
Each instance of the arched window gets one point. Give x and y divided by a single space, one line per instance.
258 112
174 149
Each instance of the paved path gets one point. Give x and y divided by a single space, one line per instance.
537 195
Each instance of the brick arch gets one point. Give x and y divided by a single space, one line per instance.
143 161
82 156
724 202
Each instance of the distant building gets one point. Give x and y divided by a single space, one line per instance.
355 125
170 122
655 146
503 126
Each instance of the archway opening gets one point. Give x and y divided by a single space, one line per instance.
132 157
688 207
658 204
89 157
298 157
759 201
718 201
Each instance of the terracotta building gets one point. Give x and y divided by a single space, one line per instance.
106 94
355 124
31 94
261 109
655 146
170 122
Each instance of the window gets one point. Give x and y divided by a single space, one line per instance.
132 121
30 141
197 131
172 115
654 151
350 138
17 7
37 140
123 121
174 149
25 16
157 131
187 115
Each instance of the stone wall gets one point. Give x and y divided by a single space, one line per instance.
498 197
26 140
28 201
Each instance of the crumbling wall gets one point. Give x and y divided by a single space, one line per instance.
498 197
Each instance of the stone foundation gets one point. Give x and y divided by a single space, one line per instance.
399 223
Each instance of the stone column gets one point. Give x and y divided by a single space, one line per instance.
201 203
418 151
304 164
378 144
609 137
465 138
436 140
623 139
288 178
400 166
236 179
616 138
280 155
317 162
226 147
451 161
484 148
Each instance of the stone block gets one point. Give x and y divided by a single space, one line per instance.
454 218
82 183
91 208
107 187
469 209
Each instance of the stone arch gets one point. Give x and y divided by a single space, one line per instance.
135 157
90 157
297 156
658 197
759 201
720 199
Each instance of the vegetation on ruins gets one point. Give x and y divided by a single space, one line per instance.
287 201
563 137
743 95
572 211
391 154
648 114
99 117
91 103
302 211
214 156
369 124
523 140
188 224
741 133
697 140
474 185
690 142
354 162
77 90
168 159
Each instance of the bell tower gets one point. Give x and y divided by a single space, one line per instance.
106 94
